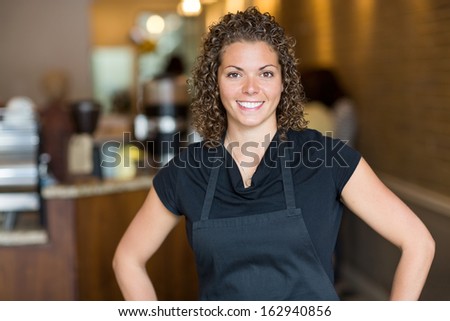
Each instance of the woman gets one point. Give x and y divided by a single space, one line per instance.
262 194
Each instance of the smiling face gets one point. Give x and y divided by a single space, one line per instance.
250 85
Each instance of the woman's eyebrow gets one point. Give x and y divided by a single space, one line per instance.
269 65
233 66
240 69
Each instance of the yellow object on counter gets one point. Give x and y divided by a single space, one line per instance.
126 169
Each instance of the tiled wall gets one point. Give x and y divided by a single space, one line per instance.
394 59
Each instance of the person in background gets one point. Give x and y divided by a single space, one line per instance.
262 194
329 107
174 67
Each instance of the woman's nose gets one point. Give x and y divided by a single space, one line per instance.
250 86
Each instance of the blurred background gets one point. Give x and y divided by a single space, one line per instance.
83 79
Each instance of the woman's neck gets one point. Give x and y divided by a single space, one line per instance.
261 137
248 146
247 149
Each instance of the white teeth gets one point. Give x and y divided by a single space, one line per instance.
250 104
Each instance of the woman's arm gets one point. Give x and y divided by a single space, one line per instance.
147 231
366 196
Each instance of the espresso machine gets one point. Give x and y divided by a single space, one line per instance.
19 161
164 118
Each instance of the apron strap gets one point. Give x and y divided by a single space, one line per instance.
286 171
209 196
288 185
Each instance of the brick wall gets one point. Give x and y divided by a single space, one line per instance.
394 59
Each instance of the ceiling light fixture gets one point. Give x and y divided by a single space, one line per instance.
189 8
155 24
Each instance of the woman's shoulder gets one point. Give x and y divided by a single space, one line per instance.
196 155
314 145
189 161
308 136
305 136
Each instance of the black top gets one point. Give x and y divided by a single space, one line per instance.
321 167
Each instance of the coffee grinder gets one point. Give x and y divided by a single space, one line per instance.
85 115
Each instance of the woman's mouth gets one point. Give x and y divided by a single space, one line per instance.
250 104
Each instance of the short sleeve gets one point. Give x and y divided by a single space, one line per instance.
165 185
342 159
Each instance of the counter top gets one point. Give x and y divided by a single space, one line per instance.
23 237
99 187
37 235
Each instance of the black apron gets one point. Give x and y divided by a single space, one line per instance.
267 256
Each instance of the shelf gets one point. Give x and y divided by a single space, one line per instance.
19 202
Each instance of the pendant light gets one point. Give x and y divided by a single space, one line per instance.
189 8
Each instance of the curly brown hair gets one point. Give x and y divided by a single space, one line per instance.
208 114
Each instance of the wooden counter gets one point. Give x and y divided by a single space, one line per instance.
84 226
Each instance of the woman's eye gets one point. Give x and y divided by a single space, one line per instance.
267 74
233 75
